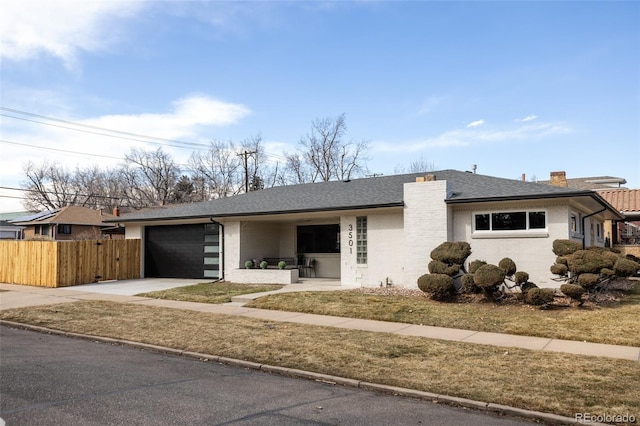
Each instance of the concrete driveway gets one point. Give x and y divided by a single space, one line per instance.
133 287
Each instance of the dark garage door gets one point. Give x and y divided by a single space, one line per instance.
182 251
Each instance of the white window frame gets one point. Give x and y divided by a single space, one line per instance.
575 224
519 233
361 240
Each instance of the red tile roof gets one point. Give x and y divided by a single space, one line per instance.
626 201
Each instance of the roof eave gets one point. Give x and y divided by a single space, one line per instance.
123 219
591 194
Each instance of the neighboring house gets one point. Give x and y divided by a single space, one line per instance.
592 183
9 231
624 200
368 232
66 223
627 202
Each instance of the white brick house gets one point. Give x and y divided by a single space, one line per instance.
369 231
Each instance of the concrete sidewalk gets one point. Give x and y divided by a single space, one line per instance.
17 296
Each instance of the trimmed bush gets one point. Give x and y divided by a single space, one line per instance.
282 264
438 267
588 281
437 286
521 277
452 253
508 266
527 286
488 277
468 285
625 267
561 260
248 264
565 247
559 269
606 273
264 264
573 291
588 261
539 296
473 266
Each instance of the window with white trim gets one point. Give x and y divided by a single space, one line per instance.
574 224
510 221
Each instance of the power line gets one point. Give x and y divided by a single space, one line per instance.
60 150
78 152
245 155
101 134
145 138
89 126
58 193
10 196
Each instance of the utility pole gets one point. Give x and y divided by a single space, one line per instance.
245 155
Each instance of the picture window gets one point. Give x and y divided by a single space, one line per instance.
510 221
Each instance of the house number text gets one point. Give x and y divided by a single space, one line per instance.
350 238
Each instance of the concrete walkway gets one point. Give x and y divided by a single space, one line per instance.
17 296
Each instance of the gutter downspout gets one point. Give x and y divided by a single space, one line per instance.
221 226
584 233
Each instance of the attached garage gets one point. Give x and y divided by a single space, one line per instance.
182 251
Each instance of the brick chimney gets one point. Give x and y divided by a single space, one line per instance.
427 178
558 179
116 211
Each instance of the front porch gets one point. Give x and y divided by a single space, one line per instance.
290 239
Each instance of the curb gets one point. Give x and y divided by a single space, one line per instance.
318 377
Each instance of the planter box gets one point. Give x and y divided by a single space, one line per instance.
264 276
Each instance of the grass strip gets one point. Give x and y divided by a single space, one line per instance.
557 383
615 324
210 292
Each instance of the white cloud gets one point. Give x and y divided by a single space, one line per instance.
530 117
188 116
191 119
60 28
473 136
475 123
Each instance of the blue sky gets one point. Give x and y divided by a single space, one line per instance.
513 87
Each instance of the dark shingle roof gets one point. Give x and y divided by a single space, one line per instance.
382 191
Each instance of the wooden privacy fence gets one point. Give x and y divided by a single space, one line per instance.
67 263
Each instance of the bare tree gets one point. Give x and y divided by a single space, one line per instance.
48 186
323 155
217 169
185 191
100 188
421 165
51 186
260 173
149 177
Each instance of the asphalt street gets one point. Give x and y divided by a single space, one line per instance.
56 380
